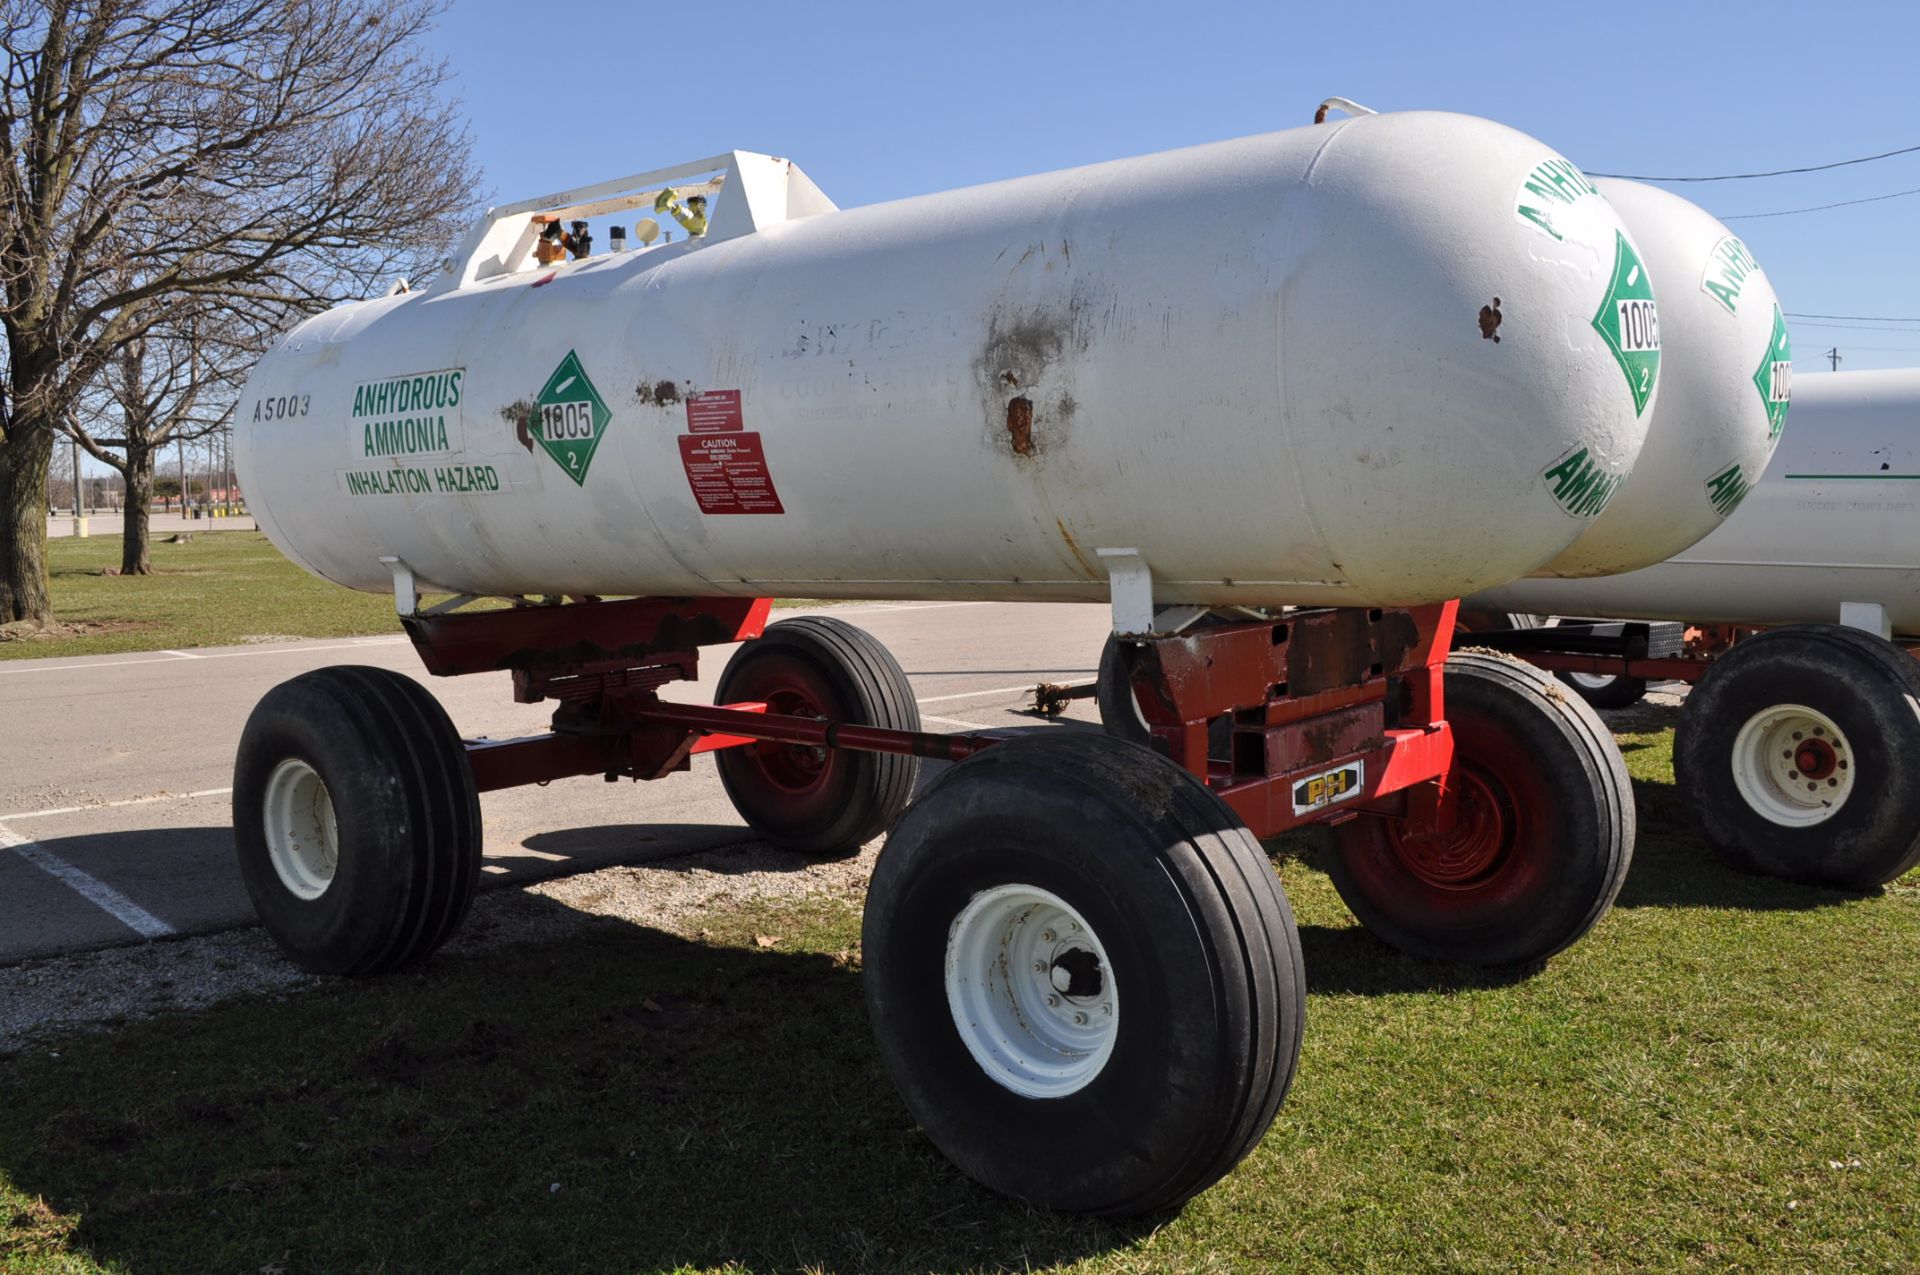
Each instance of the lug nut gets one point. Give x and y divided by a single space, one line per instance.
1080 1019
1053 1002
1046 936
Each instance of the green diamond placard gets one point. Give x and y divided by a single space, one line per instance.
1774 378
570 418
1628 322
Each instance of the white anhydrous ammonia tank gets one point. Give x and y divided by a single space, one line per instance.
1384 360
1724 381
1835 519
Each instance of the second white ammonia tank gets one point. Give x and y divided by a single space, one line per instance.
1836 519
1725 379
1385 360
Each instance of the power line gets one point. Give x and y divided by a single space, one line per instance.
1879 349
1852 327
1854 318
1845 203
1778 172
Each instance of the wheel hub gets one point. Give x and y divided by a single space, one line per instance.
303 840
1792 765
1474 849
1030 990
795 767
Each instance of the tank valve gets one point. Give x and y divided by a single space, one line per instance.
693 216
616 238
549 249
578 240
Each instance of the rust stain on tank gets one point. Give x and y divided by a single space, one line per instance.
1073 547
1031 353
1020 425
657 393
519 414
1490 317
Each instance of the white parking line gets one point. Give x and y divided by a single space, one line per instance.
95 891
864 608
108 805
173 657
954 721
998 690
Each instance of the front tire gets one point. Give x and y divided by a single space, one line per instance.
1796 755
356 820
1082 975
821 802
1543 838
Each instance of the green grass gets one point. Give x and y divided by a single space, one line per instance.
222 588
1722 1076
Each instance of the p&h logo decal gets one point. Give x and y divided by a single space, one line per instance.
1343 783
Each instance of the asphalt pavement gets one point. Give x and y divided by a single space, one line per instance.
122 834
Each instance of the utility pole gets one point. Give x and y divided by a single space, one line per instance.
1833 356
79 503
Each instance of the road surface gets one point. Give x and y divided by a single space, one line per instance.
115 839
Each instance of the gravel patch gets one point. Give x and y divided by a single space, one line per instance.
109 988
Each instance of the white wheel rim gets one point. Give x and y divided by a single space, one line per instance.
1792 765
1593 681
1031 991
302 840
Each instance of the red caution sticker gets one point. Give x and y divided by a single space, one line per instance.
728 471
715 412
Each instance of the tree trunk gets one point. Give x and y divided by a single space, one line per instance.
24 458
135 560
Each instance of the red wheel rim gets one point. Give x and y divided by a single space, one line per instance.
1478 847
788 785
793 767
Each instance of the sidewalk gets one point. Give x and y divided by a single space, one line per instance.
109 524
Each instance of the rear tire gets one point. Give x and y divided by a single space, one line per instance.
1119 710
1176 1004
1605 690
1543 839
822 802
1796 754
356 820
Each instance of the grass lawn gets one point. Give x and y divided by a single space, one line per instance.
1723 1076
222 588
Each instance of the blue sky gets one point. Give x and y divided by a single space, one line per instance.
879 101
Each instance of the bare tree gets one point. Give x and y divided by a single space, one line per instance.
243 154
175 384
